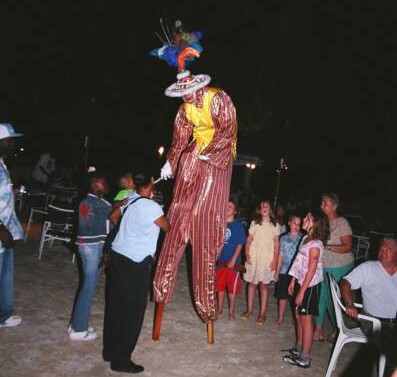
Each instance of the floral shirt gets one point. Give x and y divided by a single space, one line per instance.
300 266
288 248
7 208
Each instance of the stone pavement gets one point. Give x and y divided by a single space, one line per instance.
39 347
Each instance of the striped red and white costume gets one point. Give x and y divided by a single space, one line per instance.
198 211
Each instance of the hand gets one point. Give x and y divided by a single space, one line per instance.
299 299
203 158
351 311
6 237
230 265
166 171
273 265
275 277
291 288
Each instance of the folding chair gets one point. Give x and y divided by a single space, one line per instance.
347 335
38 202
57 227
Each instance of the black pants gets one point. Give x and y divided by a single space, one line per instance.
127 289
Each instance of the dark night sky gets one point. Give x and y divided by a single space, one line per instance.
311 81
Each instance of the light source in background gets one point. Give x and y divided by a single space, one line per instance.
283 167
161 151
251 166
21 149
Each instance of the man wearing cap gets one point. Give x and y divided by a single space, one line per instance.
201 160
10 230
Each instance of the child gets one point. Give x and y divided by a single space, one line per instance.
92 231
126 184
227 276
307 274
288 247
261 254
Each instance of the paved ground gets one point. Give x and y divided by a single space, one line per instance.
40 348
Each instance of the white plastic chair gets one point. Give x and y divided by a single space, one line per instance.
355 335
58 227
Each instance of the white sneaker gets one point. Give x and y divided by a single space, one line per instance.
82 335
14 320
90 329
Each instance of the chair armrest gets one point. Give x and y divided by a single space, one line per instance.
357 305
375 321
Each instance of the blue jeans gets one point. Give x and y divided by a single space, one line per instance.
6 284
90 257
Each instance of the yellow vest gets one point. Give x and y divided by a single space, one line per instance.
203 126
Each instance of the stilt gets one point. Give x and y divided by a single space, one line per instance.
158 318
210 332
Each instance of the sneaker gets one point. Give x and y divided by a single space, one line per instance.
292 351
90 329
302 362
82 335
12 321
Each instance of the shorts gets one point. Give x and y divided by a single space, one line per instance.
310 300
281 291
228 278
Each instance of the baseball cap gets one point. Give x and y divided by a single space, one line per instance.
6 130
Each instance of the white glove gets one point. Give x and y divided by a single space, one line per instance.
166 171
203 158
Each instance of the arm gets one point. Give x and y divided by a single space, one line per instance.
345 247
314 255
347 297
279 263
5 236
163 224
180 138
236 254
276 247
247 248
115 215
223 113
291 286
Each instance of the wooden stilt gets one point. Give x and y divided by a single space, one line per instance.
210 332
158 318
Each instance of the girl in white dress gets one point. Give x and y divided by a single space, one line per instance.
261 258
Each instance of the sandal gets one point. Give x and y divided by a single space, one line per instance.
260 320
245 315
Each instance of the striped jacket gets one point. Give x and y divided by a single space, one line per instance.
93 220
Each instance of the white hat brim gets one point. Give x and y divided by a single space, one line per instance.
173 91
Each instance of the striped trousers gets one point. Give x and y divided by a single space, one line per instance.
198 214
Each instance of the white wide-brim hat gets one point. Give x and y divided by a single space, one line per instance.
187 84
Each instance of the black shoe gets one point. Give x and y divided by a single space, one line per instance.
131 368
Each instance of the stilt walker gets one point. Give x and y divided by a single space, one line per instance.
201 160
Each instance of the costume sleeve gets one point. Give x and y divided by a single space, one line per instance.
180 138
223 114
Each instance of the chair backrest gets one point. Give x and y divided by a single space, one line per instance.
337 302
59 215
361 247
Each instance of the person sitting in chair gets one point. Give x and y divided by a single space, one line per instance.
378 283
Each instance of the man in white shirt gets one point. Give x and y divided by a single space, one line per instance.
378 283
129 272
